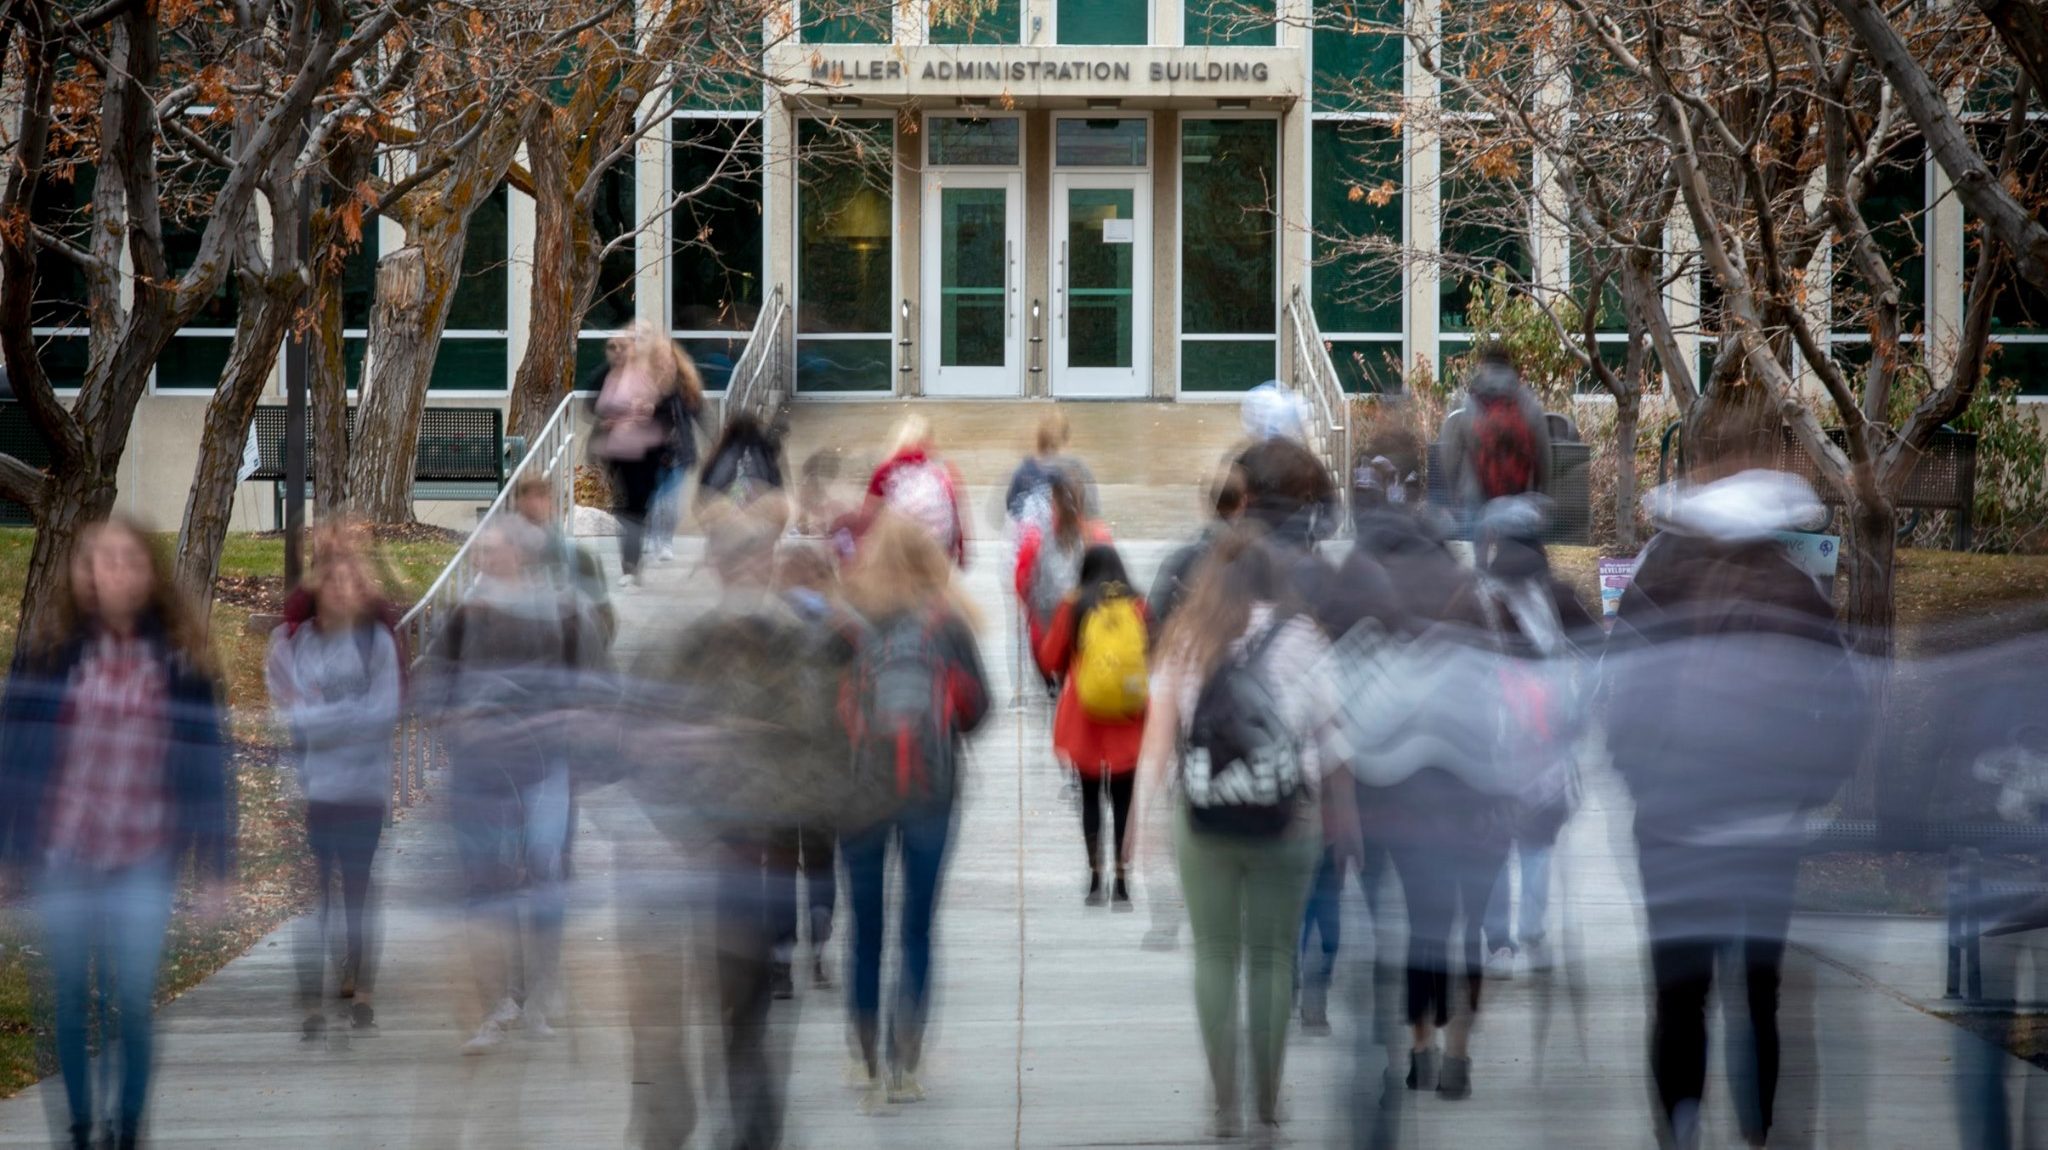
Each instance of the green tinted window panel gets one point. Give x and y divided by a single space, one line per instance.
1103 21
1895 207
480 299
2021 307
65 359
1101 279
470 365
1112 142
193 362
845 226
986 141
616 214
355 351
182 237
1367 366
359 281
1229 242
847 21
1486 51
983 22
2025 363
715 235
1225 364
1485 222
1215 23
1613 317
1356 203
720 69
973 275
844 365
62 204
1357 45
714 358
590 362
1450 361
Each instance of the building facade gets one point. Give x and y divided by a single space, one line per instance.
1087 199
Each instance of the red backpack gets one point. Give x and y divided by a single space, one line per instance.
1503 446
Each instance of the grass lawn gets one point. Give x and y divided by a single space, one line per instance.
272 879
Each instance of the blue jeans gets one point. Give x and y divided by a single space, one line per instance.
666 512
503 832
921 834
1535 908
112 924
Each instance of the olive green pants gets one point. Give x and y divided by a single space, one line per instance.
1245 898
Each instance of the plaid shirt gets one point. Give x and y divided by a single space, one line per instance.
109 807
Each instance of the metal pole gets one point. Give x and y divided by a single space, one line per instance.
295 367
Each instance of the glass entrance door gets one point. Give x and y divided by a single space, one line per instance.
1102 286
973 337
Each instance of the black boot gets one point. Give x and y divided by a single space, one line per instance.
1094 888
1120 897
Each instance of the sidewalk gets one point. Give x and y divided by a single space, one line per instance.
1053 1027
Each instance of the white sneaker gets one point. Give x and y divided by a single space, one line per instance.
1500 965
628 582
505 1015
536 1026
904 1087
874 1100
488 1037
666 555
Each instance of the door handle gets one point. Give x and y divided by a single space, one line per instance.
1065 278
1009 289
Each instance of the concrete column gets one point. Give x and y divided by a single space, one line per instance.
1165 254
1819 308
778 199
1682 303
1947 291
1038 243
650 163
1424 160
519 236
1169 25
1294 222
909 195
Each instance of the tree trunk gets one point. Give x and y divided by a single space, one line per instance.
404 330
1628 414
547 371
1869 555
77 498
327 398
260 328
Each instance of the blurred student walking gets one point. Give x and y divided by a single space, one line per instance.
638 412
919 692
1096 645
113 771
916 484
665 514
1049 562
1238 709
335 682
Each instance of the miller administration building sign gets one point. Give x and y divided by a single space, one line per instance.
1032 73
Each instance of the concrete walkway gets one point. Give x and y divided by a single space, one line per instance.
1054 1026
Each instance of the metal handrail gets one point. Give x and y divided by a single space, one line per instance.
1315 378
757 385
548 456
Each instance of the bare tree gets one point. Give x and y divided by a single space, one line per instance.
94 84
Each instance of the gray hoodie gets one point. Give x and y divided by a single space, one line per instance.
339 695
1489 378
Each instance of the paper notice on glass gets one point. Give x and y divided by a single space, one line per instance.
1119 231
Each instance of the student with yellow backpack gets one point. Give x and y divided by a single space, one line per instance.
1096 646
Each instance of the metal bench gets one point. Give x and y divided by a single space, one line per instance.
20 438
1974 908
461 456
1945 479
1571 491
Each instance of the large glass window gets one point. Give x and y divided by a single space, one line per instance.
474 348
1000 22
1895 207
617 217
1484 219
1104 21
1221 22
847 21
1356 211
845 252
715 241
723 69
2019 316
1357 45
1229 190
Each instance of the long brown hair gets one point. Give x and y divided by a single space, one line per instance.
168 606
1239 570
688 380
899 568
1067 510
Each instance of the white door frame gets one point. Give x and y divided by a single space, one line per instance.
1134 382
990 382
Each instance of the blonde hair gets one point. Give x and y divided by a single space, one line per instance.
687 377
914 431
655 355
901 568
1053 432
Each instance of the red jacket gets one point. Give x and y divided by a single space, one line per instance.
880 483
1085 743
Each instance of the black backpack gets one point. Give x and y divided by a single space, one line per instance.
1241 767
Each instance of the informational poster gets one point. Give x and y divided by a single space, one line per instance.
1119 231
1817 555
1615 575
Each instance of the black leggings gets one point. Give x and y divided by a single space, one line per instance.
1119 787
633 485
1436 880
343 838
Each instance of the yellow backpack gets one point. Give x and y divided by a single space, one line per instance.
1110 674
